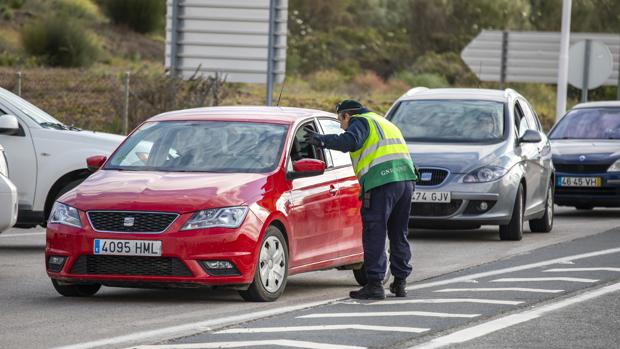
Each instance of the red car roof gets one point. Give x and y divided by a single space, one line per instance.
286 115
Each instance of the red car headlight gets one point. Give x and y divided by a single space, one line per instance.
65 214
226 217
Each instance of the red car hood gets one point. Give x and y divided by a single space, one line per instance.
164 191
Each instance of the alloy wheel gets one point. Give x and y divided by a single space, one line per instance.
272 264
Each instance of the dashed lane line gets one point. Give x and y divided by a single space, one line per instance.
324 328
545 279
447 300
561 260
500 289
388 313
268 343
561 270
513 319
190 328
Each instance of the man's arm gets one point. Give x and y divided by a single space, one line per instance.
350 140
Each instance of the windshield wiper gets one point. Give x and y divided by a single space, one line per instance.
55 125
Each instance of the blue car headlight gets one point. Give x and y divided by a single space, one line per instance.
226 217
485 174
65 214
615 167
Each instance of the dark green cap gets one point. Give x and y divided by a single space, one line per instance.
348 104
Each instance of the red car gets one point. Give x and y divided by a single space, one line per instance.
225 196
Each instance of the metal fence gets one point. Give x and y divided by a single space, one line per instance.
110 101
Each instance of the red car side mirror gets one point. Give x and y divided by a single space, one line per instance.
95 162
307 168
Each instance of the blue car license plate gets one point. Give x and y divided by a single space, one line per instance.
563 181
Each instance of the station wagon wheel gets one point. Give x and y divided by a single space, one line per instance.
544 224
360 274
75 290
271 269
514 229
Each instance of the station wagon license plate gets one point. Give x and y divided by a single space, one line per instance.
579 181
127 247
432 196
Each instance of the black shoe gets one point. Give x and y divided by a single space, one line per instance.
398 287
372 290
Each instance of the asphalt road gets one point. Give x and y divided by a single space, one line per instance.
32 315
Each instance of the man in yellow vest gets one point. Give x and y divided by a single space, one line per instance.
386 174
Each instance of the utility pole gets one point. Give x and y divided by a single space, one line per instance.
560 107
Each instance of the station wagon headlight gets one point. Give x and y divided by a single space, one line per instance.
65 214
485 174
227 217
615 167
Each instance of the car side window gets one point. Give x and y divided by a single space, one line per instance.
520 120
529 115
331 126
301 149
534 117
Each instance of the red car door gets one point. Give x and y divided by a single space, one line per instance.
314 210
350 237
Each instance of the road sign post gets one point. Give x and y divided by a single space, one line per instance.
586 71
271 49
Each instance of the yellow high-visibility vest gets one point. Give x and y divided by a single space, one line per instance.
384 157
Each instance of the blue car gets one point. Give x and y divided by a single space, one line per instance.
586 155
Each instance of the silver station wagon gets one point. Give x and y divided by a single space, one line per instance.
483 160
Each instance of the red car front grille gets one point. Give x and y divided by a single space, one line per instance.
129 265
131 222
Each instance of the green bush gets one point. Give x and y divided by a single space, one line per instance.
326 80
142 16
59 41
429 80
13 4
449 64
83 9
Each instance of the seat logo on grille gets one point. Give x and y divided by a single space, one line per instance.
128 221
426 176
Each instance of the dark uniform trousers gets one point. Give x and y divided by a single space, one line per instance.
386 209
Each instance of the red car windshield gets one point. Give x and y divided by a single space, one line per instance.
589 123
201 146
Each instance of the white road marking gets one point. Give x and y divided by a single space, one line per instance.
545 279
500 289
388 313
18 235
324 328
240 344
447 300
561 260
510 320
191 328
556 270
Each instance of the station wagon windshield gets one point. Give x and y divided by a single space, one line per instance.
589 123
462 121
201 146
